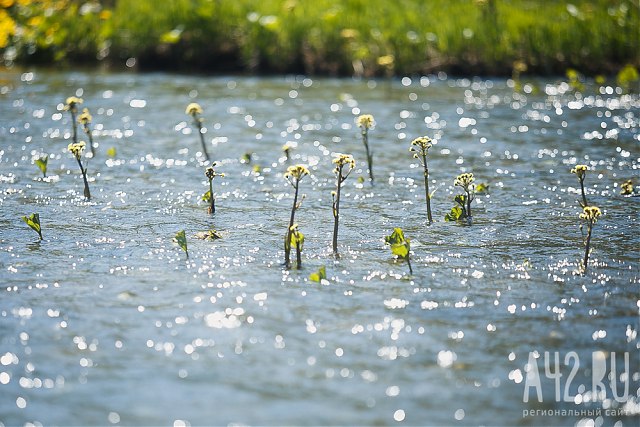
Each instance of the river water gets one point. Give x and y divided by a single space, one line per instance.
107 322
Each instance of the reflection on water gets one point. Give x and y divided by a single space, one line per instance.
107 322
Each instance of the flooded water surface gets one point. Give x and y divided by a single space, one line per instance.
107 322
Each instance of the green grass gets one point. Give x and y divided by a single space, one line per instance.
341 37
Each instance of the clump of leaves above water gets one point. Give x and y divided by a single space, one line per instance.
400 246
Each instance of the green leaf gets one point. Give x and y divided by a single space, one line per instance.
111 152
297 239
33 221
319 275
454 215
206 197
399 245
42 164
482 188
181 238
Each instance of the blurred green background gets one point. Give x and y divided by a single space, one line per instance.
330 37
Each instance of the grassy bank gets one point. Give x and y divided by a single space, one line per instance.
338 37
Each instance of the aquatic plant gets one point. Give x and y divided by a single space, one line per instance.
581 172
463 208
366 122
319 276
590 215
627 76
297 242
627 188
293 175
210 234
42 164
286 149
84 119
71 105
420 149
195 110
208 197
33 221
400 246
76 148
341 161
181 239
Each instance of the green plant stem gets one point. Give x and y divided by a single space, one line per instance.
409 264
469 200
426 187
584 197
74 126
365 141
298 257
88 132
212 208
204 146
336 212
87 193
287 242
587 247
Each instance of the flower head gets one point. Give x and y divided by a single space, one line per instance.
626 188
71 103
344 159
590 213
85 118
365 121
211 173
464 180
76 148
421 144
580 170
297 172
193 109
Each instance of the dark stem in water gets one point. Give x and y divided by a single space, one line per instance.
584 197
298 257
587 247
409 264
87 193
212 208
73 125
365 140
426 187
287 241
204 146
90 136
336 211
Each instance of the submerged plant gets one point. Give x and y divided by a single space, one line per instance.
463 209
297 242
33 221
366 122
590 215
581 172
420 149
341 161
293 175
181 238
84 119
286 149
400 246
194 110
76 148
42 164
71 105
208 197
319 275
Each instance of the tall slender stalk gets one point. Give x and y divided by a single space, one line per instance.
341 161
71 105
85 118
293 175
465 181
366 122
194 109
420 148
581 172
210 173
590 215
76 148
